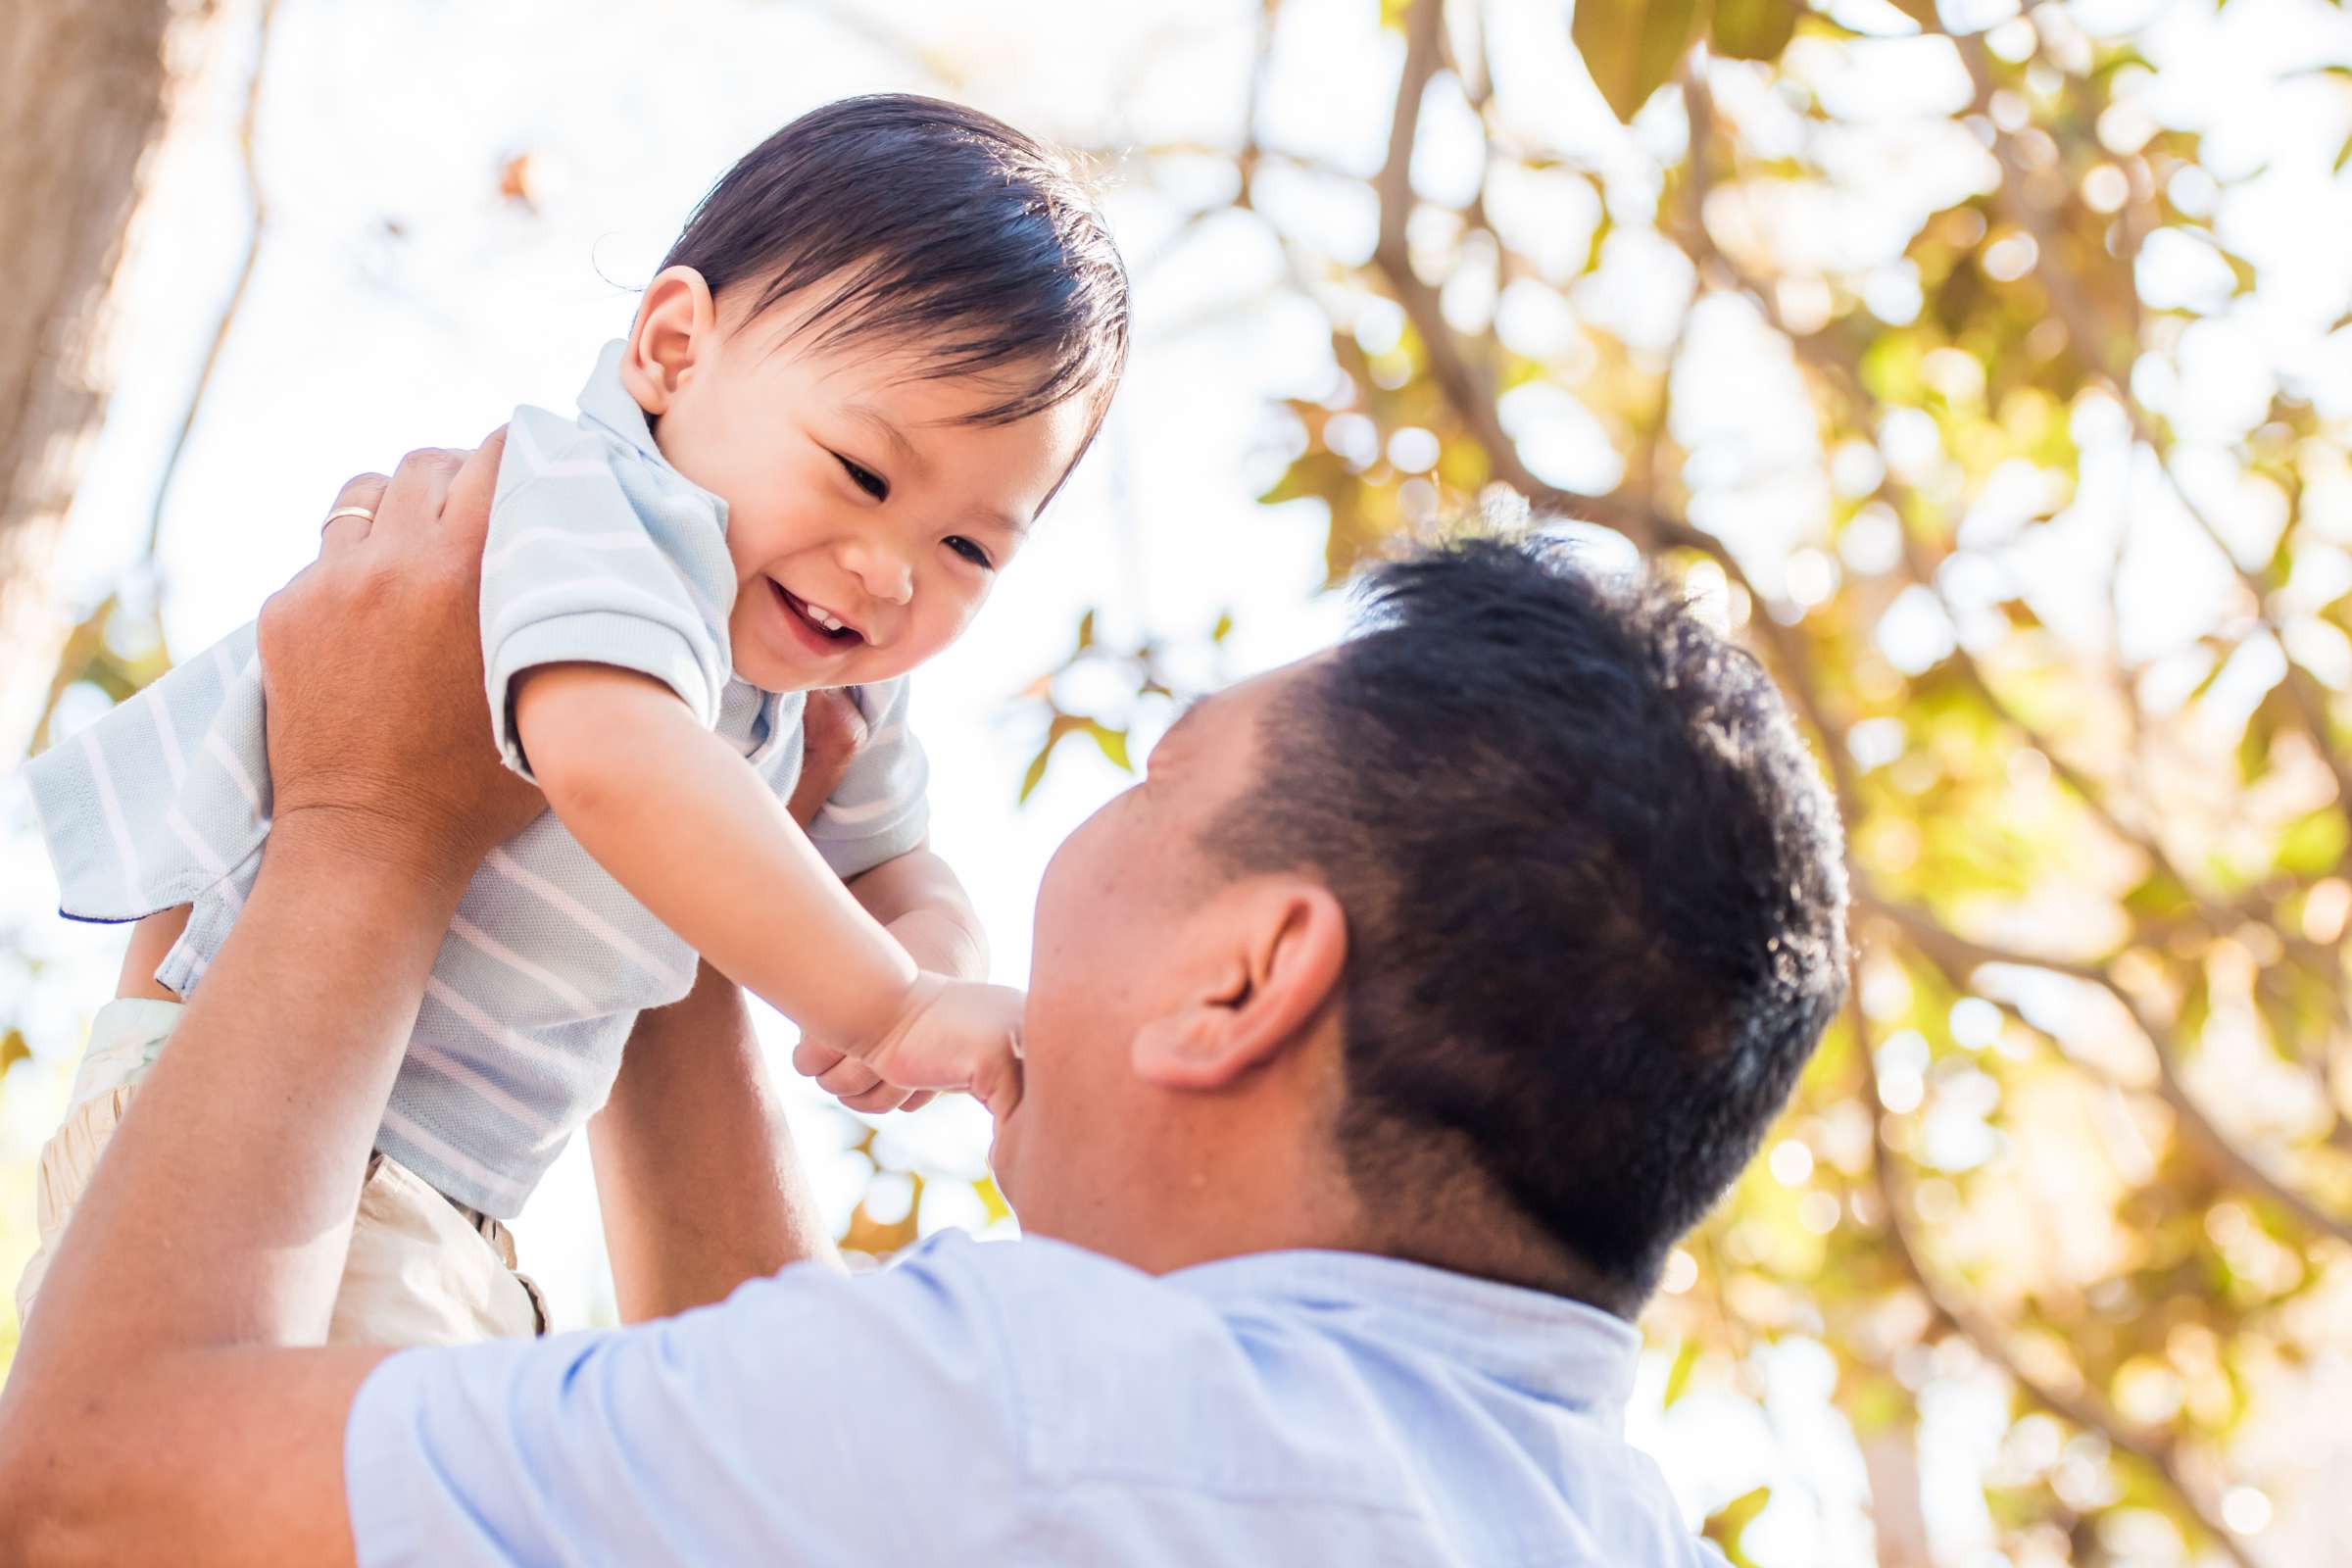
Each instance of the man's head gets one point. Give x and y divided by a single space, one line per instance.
1495 936
883 339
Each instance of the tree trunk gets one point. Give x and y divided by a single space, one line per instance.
88 88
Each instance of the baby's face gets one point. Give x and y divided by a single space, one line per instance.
865 521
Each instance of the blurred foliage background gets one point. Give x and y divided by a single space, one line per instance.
1984 369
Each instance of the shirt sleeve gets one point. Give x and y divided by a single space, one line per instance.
596 555
881 810
811 1419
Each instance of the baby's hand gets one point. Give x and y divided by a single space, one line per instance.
950 1034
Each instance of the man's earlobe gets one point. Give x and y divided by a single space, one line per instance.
1189 1050
677 322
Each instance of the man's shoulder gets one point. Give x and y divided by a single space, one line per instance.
1119 1376
1037 1285
1133 1395
1074 1331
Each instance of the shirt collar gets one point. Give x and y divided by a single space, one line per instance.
1548 1346
608 401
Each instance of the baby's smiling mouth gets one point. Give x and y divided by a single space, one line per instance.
824 622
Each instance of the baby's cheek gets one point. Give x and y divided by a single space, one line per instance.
957 617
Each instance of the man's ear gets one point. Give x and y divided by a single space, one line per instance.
1286 945
677 324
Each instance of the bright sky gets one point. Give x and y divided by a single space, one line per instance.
399 303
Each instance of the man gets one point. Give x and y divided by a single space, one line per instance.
1380 1043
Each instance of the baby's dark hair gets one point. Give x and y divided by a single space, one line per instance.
935 227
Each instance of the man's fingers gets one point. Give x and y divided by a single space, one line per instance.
832 730
919 1098
877 1099
361 490
466 512
412 502
813 1060
848 1077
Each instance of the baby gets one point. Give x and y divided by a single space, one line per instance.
872 356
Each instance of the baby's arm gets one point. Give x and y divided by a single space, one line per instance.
917 896
151 940
676 815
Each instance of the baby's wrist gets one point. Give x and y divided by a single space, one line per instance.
893 1014
939 943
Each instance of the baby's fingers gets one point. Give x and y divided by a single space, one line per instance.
996 1081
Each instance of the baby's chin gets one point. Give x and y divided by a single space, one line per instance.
771 675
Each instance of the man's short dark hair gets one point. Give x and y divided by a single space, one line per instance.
937 229
1593 889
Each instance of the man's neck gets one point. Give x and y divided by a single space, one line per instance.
1194 1219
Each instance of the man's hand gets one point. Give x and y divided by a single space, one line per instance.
832 733
372 663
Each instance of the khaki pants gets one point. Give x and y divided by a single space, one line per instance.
422 1270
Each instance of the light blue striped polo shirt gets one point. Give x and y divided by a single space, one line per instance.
598 551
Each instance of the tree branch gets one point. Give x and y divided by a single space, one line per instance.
258 218
1959 956
2086 1410
2304 694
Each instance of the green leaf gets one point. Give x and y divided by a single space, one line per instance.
2313 845
1631 47
2160 898
1753 29
2270 715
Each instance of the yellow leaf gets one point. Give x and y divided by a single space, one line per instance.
1678 1378
1113 743
1631 46
1753 29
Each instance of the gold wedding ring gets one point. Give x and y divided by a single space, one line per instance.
363 514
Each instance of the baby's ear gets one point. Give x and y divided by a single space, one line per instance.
676 326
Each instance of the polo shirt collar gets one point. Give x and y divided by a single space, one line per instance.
1564 1352
607 400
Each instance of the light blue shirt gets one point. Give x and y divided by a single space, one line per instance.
1029 1403
598 551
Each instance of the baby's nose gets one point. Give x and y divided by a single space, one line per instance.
882 575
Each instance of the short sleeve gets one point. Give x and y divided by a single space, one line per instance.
881 808
812 1417
597 555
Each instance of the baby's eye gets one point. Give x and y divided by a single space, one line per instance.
865 478
969 551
